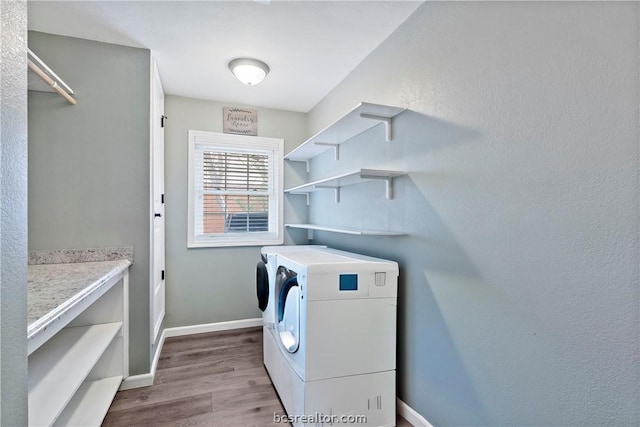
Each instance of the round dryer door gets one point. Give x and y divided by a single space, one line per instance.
289 326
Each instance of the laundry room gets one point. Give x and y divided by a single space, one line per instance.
406 213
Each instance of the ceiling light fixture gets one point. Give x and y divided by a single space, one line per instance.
248 70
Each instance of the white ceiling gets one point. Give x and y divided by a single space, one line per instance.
310 46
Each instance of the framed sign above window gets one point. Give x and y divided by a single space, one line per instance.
240 121
235 190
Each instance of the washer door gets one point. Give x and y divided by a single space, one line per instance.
289 315
262 285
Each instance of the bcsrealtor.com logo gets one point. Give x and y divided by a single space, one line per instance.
319 418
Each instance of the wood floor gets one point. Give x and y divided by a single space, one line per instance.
213 379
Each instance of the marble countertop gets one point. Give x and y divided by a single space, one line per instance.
53 289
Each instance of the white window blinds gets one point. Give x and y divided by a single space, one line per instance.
236 190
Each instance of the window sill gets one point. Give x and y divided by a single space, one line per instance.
218 242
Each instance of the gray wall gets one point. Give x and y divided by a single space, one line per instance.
519 297
89 163
13 213
207 285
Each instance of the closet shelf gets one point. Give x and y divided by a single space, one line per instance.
363 117
350 178
312 227
43 79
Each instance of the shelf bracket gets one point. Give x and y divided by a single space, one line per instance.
336 148
308 198
335 189
306 162
385 120
388 184
310 234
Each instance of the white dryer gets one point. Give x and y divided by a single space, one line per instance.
336 334
266 273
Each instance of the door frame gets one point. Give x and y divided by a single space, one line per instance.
155 119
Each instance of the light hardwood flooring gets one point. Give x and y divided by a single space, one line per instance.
207 380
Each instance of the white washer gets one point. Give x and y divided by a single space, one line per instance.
265 288
336 336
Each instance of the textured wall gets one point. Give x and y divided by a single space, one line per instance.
13 213
89 163
519 290
206 285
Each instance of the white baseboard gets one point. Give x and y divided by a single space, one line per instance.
409 414
145 380
156 356
137 381
212 327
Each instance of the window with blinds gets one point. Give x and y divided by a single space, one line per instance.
235 190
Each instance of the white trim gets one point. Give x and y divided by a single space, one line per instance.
145 380
156 356
136 381
155 118
212 327
151 204
274 149
410 414
125 322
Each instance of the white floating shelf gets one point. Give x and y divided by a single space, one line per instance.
350 178
312 227
41 78
363 117
60 367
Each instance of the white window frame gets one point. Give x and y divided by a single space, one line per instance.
236 143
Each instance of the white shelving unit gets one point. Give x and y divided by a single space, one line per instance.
60 367
75 374
312 227
350 178
362 118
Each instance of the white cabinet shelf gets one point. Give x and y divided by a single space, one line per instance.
89 405
82 351
59 367
350 178
362 118
312 227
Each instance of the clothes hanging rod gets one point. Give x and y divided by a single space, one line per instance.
36 65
